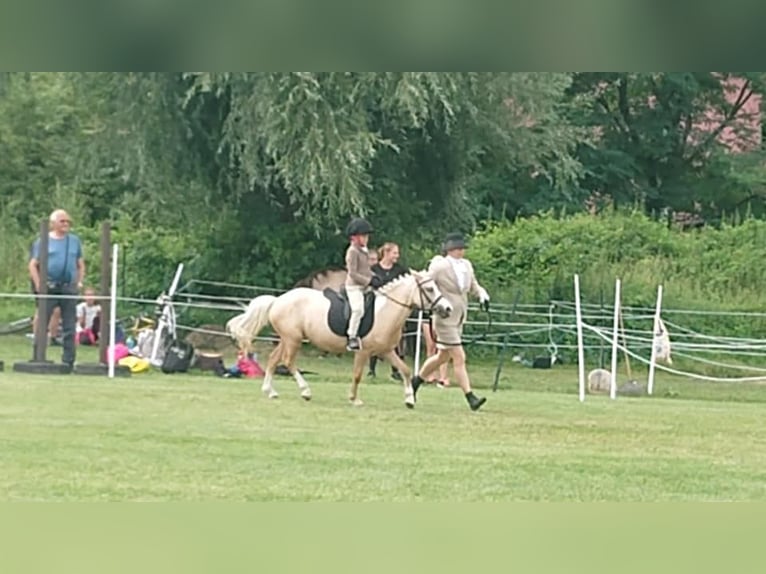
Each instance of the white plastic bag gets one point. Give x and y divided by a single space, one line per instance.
662 343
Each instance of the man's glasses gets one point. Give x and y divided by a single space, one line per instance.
65 221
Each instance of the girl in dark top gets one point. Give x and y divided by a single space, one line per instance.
387 269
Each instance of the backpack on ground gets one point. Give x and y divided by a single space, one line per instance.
178 357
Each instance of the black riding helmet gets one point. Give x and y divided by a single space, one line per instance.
358 226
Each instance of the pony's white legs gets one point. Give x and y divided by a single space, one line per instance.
396 361
267 387
289 354
360 360
302 385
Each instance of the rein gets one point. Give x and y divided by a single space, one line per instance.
423 298
487 328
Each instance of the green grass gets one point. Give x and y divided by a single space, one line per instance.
198 437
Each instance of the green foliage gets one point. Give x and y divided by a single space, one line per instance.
433 129
711 264
711 269
547 250
250 177
152 256
657 138
39 120
14 251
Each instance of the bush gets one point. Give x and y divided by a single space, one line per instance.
710 269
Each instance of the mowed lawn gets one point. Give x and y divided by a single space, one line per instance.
198 437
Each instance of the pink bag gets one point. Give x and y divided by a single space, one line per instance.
249 367
120 351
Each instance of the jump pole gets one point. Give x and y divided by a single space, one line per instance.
108 302
417 341
615 340
653 361
580 343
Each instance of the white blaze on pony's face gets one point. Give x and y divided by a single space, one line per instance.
430 295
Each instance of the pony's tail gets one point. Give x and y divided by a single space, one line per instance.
245 326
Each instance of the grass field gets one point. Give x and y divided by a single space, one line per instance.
198 437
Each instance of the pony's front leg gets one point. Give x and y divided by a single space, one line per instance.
360 360
396 361
267 387
288 356
271 366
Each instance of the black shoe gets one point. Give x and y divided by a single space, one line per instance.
68 367
415 381
475 402
353 344
219 369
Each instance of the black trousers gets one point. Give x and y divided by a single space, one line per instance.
374 362
60 297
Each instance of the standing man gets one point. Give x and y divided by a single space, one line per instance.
455 278
66 270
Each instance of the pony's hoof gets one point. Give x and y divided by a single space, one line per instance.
273 395
306 396
409 405
356 402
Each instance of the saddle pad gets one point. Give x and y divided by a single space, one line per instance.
339 313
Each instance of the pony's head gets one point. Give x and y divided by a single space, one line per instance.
418 289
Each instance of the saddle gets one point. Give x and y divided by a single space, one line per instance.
340 312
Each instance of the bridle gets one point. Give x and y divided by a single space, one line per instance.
424 298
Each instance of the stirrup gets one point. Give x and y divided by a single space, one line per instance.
354 344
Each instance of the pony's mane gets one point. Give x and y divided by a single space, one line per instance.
394 282
315 275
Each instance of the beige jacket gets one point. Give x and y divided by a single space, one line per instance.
443 273
358 267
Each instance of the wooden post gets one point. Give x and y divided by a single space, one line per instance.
41 329
102 367
106 265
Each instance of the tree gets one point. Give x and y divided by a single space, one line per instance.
264 169
660 136
319 141
312 149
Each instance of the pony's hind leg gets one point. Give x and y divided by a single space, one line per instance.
290 353
271 366
396 361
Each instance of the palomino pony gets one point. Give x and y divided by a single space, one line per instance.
304 313
335 279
